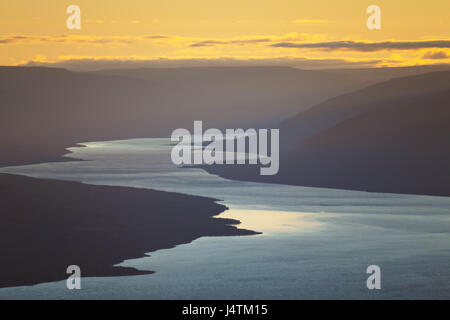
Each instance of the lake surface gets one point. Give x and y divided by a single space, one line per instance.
316 243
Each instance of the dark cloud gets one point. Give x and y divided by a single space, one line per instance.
210 43
77 39
156 37
436 55
207 43
14 39
366 46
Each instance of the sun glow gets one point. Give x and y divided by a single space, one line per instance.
36 32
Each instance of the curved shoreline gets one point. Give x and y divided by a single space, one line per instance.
47 225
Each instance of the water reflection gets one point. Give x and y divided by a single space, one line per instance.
271 222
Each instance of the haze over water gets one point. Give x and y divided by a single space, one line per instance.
316 243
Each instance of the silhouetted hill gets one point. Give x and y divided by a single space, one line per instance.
45 110
47 225
390 137
401 147
337 109
244 96
384 74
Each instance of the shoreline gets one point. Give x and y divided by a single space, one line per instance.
250 175
48 225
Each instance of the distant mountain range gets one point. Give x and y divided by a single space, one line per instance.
390 137
44 110
337 109
381 130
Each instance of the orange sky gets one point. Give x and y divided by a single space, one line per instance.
320 31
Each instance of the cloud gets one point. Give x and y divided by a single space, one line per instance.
257 40
113 62
366 46
210 43
436 55
14 39
77 39
169 40
156 37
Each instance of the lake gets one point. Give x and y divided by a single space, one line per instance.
315 244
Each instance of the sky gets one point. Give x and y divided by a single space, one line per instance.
309 34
